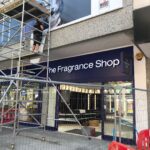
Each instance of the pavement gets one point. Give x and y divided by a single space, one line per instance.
36 139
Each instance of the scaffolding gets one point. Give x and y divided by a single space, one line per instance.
16 40
15 44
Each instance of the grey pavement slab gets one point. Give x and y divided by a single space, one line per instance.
49 140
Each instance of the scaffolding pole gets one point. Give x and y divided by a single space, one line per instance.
20 63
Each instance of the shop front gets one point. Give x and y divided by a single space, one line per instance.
95 106
111 69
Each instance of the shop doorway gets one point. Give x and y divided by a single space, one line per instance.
85 104
118 113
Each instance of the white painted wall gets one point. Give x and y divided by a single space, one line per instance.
141 112
140 3
51 107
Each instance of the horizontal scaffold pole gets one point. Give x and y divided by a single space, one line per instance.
71 83
47 81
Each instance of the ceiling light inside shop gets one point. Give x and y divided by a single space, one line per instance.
62 87
91 91
83 90
79 90
67 87
117 91
86 91
97 91
76 89
105 91
73 89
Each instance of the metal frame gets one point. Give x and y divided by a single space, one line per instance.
17 55
17 78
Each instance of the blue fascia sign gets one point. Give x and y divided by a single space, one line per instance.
97 67
112 65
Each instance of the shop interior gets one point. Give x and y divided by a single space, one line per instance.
84 102
94 106
120 102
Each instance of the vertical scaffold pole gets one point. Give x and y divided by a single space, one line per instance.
2 116
115 114
120 113
48 59
12 63
18 72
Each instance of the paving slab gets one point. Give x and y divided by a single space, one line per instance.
49 140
